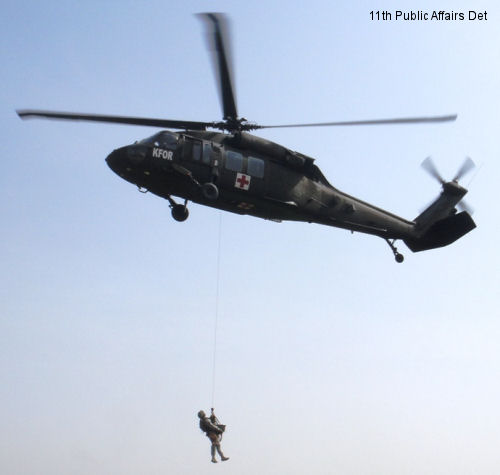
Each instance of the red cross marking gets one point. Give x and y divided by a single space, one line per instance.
242 181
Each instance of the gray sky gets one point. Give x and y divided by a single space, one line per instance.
331 357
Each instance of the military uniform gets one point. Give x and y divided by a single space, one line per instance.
214 432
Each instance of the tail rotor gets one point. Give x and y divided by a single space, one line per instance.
429 166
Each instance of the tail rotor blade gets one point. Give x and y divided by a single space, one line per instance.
429 166
464 169
464 206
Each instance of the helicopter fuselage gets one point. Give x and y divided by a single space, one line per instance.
249 175
245 174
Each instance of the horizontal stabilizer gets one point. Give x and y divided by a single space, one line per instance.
443 232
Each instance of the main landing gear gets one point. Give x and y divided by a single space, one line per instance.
399 257
179 212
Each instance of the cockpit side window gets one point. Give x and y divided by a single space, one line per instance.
162 139
149 140
168 140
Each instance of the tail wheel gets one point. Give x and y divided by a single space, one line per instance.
398 256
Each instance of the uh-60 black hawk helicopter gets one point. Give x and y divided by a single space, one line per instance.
235 171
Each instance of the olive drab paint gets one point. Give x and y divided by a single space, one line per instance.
232 170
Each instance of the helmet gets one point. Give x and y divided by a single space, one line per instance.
201 414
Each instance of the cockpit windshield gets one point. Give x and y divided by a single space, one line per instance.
163 139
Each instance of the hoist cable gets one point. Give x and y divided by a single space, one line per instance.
217 281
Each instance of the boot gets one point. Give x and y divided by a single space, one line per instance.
221 455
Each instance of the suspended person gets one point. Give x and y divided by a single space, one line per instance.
213 430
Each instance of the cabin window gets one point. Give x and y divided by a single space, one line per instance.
255 167
206 153
197 151
234 161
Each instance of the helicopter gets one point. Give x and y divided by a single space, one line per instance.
221 165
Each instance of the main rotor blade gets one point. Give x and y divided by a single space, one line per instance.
405 120
218 42
164 123
464 169
429 166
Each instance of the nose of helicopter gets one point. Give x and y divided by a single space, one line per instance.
125 158
115 160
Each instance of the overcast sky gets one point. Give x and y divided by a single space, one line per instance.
331 357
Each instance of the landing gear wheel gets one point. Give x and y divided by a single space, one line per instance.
210 191
399 257
180 212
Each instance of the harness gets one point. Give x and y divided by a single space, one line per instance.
213 419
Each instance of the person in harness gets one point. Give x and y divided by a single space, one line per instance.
213 430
